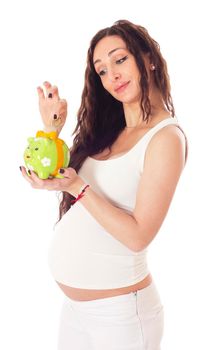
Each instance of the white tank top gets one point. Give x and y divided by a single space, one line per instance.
82 253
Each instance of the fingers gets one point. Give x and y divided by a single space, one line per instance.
47 84
50 91
53 90
59 119
36 182
25 175
68 173
53 110
63 102
63 108
40 93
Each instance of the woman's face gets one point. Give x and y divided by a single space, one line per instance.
117 69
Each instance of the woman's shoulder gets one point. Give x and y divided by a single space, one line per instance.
171 138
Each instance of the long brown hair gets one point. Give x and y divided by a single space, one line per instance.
100 118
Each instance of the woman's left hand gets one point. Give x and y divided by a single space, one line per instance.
70 183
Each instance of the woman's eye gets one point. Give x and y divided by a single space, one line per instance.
102 72
121 60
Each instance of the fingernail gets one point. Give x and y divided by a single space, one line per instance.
29 172
61 171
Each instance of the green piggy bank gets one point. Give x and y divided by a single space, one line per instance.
46 154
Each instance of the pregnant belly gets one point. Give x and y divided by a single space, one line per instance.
92 294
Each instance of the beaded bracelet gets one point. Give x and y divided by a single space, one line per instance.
81 194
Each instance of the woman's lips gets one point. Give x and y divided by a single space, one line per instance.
122 87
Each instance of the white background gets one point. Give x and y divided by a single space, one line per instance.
48 40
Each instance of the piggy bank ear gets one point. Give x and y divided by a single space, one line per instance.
43 140
30 140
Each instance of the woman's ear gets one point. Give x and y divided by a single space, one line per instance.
148 62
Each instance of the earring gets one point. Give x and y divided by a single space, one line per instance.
152 67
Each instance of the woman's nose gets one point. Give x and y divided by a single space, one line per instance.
114 76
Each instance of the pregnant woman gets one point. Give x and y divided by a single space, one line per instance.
127 156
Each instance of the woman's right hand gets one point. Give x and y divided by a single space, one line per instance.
53 110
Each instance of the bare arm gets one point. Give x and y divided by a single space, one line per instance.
164 162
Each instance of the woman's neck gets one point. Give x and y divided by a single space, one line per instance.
133 113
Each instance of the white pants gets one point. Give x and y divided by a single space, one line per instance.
132 321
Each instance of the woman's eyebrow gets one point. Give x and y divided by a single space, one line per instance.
109 54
